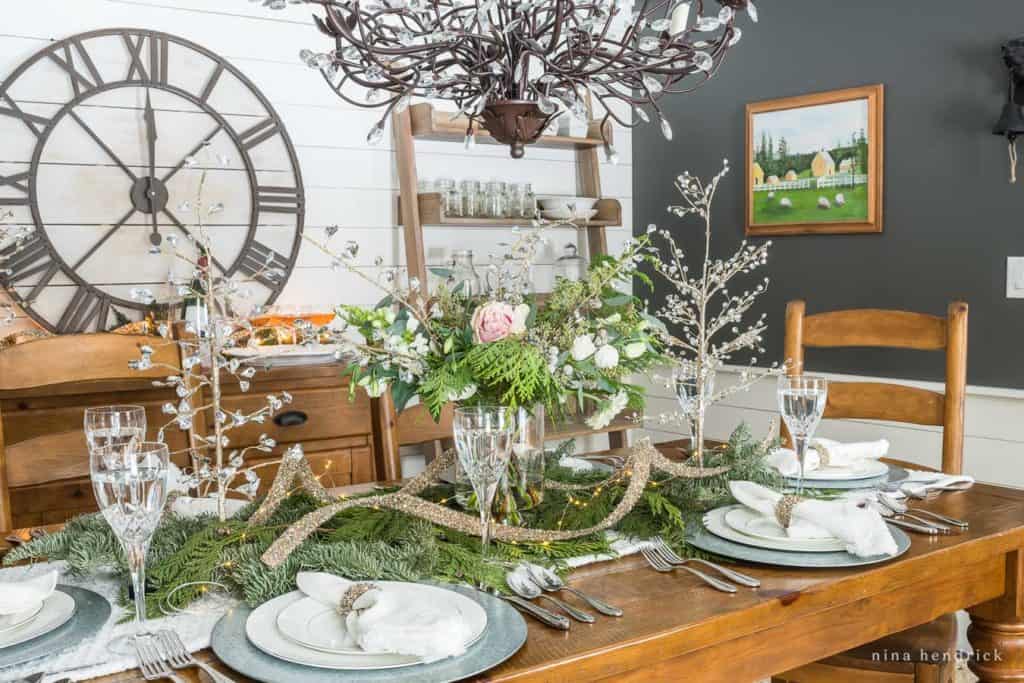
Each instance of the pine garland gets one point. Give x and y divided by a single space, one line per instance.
368 543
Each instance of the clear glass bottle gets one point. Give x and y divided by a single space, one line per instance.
470 198
529 207
514 201
464 274
453 202
443 186
501 209
495 200
570 265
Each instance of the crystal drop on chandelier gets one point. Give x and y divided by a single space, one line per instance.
376 135
752 11
666 128
546 105
707 24
661 24
649 43
737 33
652 84
725 14
611 155
642 115
703 61
308 58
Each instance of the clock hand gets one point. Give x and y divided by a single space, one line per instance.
106 236
155 239
103 145
181 226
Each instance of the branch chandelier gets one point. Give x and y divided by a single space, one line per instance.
511 66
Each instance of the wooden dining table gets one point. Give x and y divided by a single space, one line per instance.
677 629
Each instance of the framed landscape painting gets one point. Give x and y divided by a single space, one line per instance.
814 163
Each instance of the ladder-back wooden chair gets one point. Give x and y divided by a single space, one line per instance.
924 653
45 386
413 426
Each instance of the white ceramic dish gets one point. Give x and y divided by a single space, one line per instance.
714 521
318 626
566 215
282 351
56 611
750 523
867 470
13 621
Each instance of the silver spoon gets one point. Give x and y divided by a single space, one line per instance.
523 586
550 581
901 508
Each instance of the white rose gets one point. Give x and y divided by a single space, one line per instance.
635 350
583 347
519 316
467 392
606 357
374 388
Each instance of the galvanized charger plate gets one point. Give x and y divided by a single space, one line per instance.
895 474
505 634
91 612
707 541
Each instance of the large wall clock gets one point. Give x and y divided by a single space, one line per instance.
115 128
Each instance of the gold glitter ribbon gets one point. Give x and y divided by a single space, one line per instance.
638 466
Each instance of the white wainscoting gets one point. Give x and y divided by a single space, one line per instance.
347 183
993 446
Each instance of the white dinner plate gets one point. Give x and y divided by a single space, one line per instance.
867 470
749 523
282 351
57 609
714 521
12 621
320 627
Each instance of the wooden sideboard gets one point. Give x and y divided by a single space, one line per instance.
336 433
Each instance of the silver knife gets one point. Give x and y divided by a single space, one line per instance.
920 528
545 616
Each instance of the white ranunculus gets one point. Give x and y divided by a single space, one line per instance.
519 316
375 388
607 410
583 347
606 357
635 349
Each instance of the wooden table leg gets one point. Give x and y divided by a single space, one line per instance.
997 629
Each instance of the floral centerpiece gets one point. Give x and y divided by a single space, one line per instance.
572 351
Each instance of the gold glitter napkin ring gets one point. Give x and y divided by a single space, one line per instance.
823 455
784 510
348 600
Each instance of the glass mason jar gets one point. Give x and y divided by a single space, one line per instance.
470 198
522 485
494 200
424 185
444 186
570 265
464 274
529 205
514 201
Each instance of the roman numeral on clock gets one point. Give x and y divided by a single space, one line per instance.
151 67
35 123
261 132
274 199
263 264
87 307
18 181
79 67
24 260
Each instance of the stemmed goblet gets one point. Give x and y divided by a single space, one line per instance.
483 443
694 389
114 425
802 401
130 483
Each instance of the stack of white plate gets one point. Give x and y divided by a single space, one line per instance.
36 620
286 354
298 629
865 473
742 525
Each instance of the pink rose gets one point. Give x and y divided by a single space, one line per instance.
492 322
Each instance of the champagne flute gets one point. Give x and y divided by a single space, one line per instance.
130 483
114 425
483 442
802 401
692 393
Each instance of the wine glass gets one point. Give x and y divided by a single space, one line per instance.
114 425
130 482
483 442
802 401
693 395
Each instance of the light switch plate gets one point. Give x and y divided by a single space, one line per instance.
1015 277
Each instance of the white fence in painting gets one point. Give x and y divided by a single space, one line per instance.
841 180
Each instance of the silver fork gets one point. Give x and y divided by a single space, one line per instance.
180 658
659 564
151 664
670 555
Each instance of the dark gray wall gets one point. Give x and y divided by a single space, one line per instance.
951 217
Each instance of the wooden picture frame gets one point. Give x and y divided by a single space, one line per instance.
825 195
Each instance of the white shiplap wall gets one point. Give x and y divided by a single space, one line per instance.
347 183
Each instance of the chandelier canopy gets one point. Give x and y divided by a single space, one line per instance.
513 65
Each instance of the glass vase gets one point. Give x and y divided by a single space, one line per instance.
522 486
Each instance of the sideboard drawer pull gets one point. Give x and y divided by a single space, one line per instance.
290 418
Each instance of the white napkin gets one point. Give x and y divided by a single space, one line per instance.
20 596
861 528
919 482
839 455
575 464
386 621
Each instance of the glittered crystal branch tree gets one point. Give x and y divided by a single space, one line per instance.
511 65
198 382
705 316
13 238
